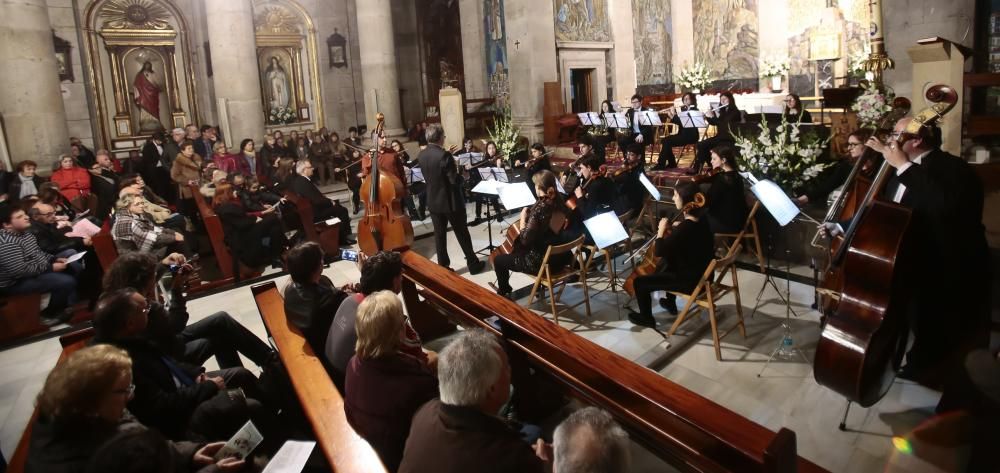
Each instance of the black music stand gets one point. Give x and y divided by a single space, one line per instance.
488 187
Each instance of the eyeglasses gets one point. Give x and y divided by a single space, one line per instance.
851 145
129 391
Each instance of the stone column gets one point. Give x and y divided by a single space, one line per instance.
30 97
531 54
473 49
378 64
236 78
623 54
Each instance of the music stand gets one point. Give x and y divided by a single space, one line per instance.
585 119
607 230
693 119
781 207
492 180
649 118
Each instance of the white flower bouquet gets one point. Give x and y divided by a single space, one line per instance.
774 67
872 106
694 77
281 116
504 133
785 155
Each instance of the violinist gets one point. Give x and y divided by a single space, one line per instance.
570 178
537 160
835 175
684 254
946 198
725 116
631 192
794 111
353 178
596 193
685 136
411 190
536 234
727 202
641 135
492 155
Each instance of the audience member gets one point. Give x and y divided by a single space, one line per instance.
246 161
461 432
74 184
26 269
589 440
23 182
205 144
82 406
323 208
49 194
83 154
104 183
256 237
384 387
185 171
224 160
156 207
51 233
134 230
171 148
155 168
311 300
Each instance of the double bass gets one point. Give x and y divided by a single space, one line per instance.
385 226
865 332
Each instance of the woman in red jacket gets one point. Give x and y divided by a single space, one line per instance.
74 182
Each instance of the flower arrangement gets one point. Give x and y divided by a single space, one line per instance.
785 156
694 77
281 116
856 64
872 105
504 133
774 67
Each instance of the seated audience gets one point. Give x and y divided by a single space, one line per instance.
256 237
384 387
461 431
252 195
588 440
157 208
23 182
179 400
311 300
186 170
224 160
82 406
82 153
51 233
26 269
380 272
133 230
104 183
74 184
323 208
217 335
246 161
49 194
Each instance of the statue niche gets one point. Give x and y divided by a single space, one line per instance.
279 59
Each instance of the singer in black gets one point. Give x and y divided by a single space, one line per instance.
444 199
727 202
641 135
724 118
686 135
685 253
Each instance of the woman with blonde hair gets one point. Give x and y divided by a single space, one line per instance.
134 230
82 405
384 386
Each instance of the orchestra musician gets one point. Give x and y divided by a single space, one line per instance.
388 161
794 111
631 192
950 308
570 178
493 156
411 190
353 178
726 199
723 118
601 141
836 174
595 195
445 200
685 136
641 135
536 234
684 251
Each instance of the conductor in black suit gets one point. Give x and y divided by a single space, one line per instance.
641 135
444 199
301 183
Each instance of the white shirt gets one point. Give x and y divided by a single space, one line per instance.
898 197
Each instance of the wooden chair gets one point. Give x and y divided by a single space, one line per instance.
662 132
749 231
549 278
708 291
609 252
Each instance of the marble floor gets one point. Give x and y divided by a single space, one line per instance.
782 395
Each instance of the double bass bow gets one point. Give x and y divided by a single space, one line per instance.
385 226
864 333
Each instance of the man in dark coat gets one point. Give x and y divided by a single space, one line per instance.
323 209
444 199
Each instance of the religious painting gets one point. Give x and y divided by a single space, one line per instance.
582 20
144 68
495 29
806 20
336 46
652 34
276 80
725 38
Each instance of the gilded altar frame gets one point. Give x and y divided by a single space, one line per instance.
285 25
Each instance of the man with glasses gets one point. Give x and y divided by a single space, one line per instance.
323 209
636 135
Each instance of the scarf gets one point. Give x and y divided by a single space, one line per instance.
27 186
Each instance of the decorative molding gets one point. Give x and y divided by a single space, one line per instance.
584 45
134 14
277 21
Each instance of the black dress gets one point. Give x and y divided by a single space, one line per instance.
684 255
531 245
727 203
254 243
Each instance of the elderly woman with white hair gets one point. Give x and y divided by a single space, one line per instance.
383 385
461 432
134 230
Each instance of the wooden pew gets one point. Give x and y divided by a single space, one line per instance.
686 430
328 236
70 342
20 316
324 407
232 269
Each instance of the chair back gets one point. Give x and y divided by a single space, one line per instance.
563 248
749 221
724 264
558 222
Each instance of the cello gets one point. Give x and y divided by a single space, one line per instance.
864 334
385 226
649 260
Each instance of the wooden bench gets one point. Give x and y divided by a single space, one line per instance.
231 268
70 342
681 427
322 403
20 316
328 236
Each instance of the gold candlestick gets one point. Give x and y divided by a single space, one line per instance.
878 61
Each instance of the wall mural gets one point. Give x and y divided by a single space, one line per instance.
495 29
803 20
653 36
582 20
725 38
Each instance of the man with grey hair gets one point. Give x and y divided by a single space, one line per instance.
460 432
588 441
445 200
323 209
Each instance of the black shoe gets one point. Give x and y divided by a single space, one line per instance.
641 320
499 217
670 304
477 267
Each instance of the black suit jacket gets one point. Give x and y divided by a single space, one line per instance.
306 189
150 157
646 131
444 184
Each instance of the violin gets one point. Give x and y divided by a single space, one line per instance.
649 260
385 226
571 199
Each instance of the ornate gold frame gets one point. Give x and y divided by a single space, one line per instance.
285 40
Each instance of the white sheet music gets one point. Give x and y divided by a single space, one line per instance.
605 229
494 174
414 175
515 196
610 121
595 118
649 118
775 201
693 119
585 119
488 187
291 457
653 191
559 187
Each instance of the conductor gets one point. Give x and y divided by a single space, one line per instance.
445 201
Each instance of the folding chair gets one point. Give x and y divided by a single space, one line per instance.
708 292
749 231
550 278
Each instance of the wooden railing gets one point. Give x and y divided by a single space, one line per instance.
686 430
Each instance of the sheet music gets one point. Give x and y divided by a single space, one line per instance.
291 457
414 175
516 196
774 199
75 257
622 122
559 187
606 229
584 119
494 174
595 118
609 120
488 187
693 119
649 118
653 191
